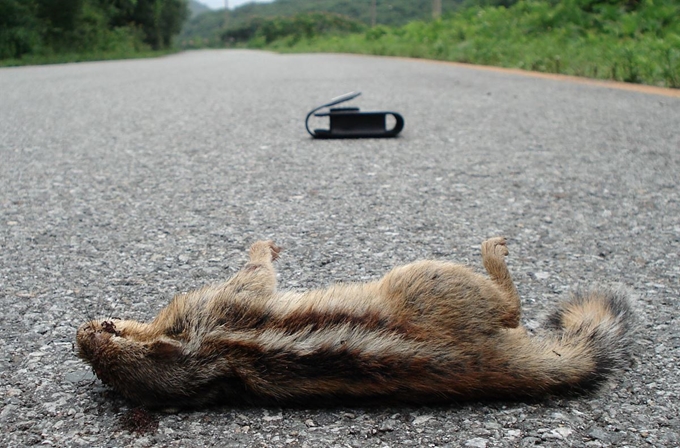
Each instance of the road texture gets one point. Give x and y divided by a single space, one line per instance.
122 183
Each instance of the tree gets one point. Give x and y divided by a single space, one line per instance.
82 26
18 28
160 20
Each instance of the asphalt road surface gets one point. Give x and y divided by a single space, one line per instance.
122 183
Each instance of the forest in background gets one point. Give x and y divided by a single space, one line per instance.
634 41
206 28
626 40
34 31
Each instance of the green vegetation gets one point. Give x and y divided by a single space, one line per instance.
625 40
45 31
288 31
207 28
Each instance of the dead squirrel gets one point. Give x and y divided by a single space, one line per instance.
428 331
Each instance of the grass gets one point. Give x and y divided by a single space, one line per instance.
631 41
638 46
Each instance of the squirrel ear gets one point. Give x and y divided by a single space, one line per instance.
165 349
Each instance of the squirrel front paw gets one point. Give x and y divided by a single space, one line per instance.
264 251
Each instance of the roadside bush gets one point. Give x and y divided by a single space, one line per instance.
35 28
620 40
292 29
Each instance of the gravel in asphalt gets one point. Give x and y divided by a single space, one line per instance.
125 182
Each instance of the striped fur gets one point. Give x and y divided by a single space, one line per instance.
429 331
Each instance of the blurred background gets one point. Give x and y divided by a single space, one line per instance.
635 41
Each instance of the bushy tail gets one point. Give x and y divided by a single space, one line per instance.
596 325
589 338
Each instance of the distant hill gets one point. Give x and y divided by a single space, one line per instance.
391 12
196 9
209 25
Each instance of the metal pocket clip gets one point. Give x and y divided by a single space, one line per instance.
348 122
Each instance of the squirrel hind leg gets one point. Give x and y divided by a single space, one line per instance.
494 251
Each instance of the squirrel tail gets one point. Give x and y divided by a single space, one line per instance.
600 323
589 337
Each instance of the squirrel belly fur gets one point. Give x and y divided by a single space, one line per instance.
430 331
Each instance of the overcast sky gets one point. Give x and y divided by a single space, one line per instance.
219 4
